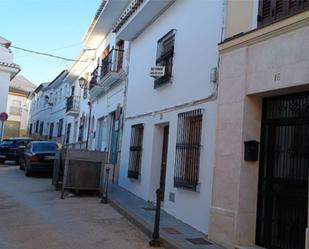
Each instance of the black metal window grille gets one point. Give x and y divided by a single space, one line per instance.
85 93
37 126
51 130
30 129
165 54
94 78
81 127
188 145
60 126
68 133
41 128
135 157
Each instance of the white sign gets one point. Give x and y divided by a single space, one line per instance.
157 71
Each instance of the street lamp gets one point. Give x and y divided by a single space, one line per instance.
83 83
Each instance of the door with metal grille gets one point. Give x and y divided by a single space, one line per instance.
283 177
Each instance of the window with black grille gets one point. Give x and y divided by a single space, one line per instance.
30 129
68 132
81 128
136 144
60 127
37 126
51 130
188 146
165 54
85 92
41 128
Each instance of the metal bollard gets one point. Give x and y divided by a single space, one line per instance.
155 242
105 186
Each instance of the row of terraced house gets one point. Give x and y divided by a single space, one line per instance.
207 100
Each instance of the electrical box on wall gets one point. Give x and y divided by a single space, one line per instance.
251 151
213 75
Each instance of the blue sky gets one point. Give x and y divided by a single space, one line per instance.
54 26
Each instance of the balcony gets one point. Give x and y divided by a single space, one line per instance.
15 111
138 15
73 105
106 75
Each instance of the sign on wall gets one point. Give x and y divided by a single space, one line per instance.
157 71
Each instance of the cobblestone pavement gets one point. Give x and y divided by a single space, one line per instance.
32 216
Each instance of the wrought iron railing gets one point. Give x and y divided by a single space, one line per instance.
136 144
110 63
188 145
73 103
94 78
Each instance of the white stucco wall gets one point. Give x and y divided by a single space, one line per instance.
49 113
4 89
195 54
6 56
195 49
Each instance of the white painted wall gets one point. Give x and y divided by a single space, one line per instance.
106 103
197 36
6 56
42 111
195 53
4 89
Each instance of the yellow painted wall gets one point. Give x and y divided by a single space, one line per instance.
239 17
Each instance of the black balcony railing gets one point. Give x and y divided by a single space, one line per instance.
73 103
110 63
94 78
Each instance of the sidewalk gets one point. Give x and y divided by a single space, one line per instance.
174 233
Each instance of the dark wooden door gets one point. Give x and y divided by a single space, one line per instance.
283 176
164 159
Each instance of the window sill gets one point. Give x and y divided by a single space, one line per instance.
133 174
187 186
163 81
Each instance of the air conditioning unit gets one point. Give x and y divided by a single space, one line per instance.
157 71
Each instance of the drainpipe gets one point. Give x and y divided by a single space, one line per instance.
89 120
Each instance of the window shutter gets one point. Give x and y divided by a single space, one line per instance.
265 12
273 10
135 157
294 6
279 8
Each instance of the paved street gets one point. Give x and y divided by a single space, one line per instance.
32 216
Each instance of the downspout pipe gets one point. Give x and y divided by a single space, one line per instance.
89 121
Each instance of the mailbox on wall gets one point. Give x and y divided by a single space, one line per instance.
251 151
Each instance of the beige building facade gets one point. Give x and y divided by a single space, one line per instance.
18 107
263 97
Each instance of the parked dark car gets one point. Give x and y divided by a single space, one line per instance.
39 156
13 148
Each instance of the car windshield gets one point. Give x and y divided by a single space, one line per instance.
44 147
